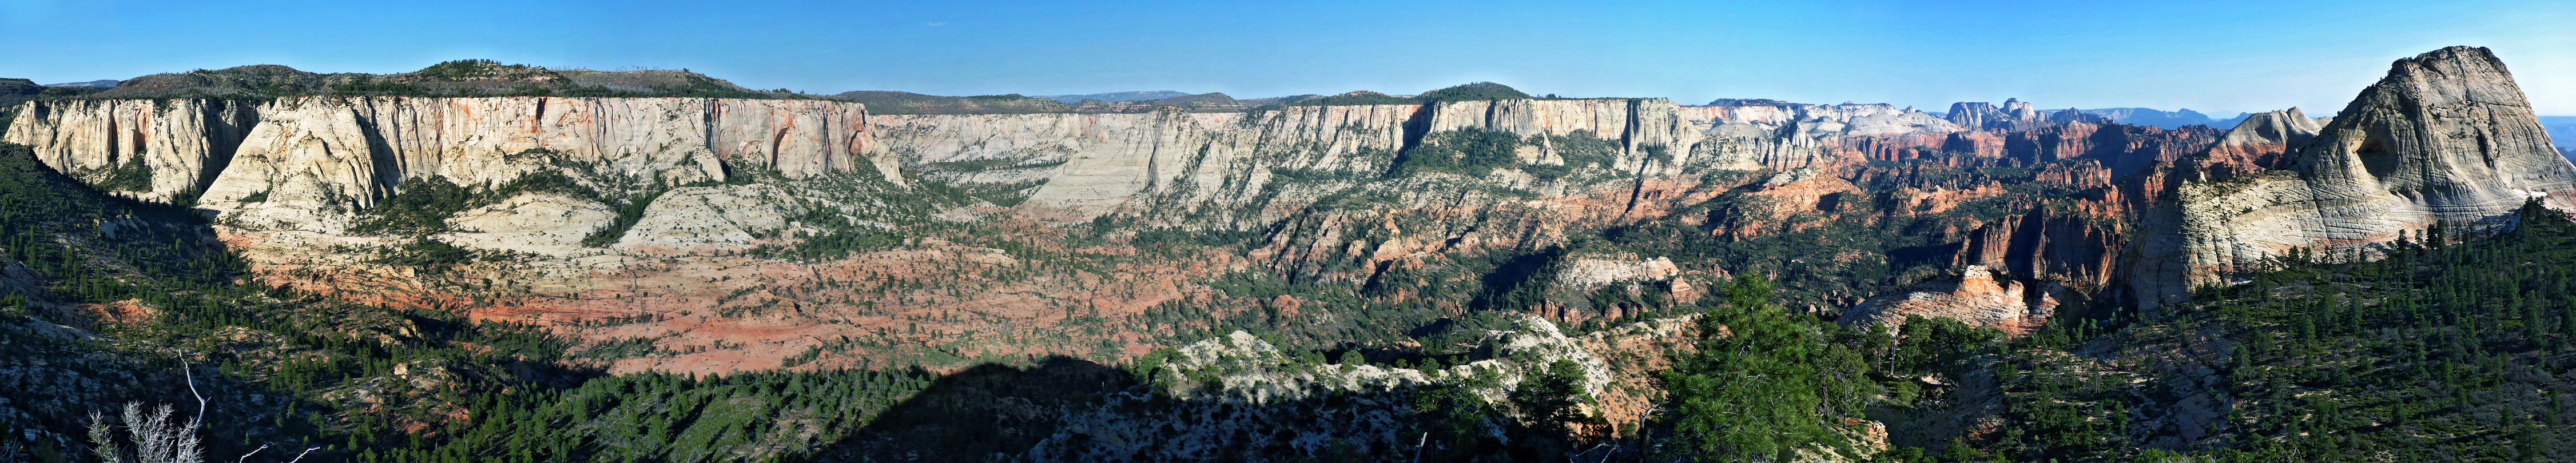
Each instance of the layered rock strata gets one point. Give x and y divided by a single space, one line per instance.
2446 137
175 146
361 148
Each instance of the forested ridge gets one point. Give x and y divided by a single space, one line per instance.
2452 347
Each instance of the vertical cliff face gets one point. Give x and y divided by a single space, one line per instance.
317 159
361 147
2052 245
2446 136
1182 162
2125 149
1097 163
1634 124
1794 136
154 149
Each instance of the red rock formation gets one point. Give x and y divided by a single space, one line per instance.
2123 148
2048 245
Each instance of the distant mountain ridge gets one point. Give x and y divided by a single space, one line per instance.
2165 119
892 102
1114 97
97 84
459 78
2562 133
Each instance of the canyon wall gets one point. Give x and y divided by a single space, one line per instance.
361 148
173 147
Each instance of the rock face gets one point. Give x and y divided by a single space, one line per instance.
2262 142
363 148
358 149
1977 299
1239 392
1251 370
2125 149
179 145
1101 162
2446 136
1764 136
1097 163
2048 244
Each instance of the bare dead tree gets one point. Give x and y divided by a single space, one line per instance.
156 436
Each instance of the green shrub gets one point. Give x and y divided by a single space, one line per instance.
1474 92
1472 152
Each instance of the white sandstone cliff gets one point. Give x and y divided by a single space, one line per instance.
2446 136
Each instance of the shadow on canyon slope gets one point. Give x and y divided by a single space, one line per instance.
1068 409
981 412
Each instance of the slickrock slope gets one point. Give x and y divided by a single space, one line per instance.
1242 392
2446 136
2259 142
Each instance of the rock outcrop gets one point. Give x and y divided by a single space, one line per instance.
174 147
2048 244
2445 137
1250 370
1240 392
1976 298
2262 142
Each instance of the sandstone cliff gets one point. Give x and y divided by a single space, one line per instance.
2446 136
361 148
166 149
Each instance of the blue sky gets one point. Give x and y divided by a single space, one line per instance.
2216 56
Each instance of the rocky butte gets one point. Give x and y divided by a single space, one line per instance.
2446 137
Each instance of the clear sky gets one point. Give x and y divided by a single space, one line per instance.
2219 57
